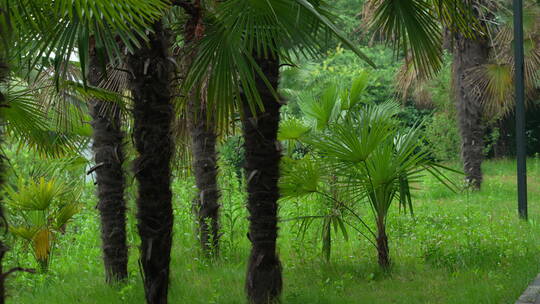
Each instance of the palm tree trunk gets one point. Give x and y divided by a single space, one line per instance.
382 245
203 135
205 205
107 139
151 74
263 281
468 54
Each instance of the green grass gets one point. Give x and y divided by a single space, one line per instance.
459 248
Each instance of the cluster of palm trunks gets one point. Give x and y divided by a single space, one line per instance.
151 72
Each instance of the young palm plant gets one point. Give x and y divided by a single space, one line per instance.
40 210
362 155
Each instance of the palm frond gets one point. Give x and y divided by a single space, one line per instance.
350 98
65 214
414 30
62 29
322 110
241 30
495 86
299 177
292 129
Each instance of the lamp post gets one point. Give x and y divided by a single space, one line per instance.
520 109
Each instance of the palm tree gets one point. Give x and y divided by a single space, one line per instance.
150 81
263 154
495 79
360 152
415 28
203 133
3 73
245 45
107 137
203 145
470 53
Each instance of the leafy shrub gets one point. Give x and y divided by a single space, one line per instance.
39 210
231 153
442 134
360 153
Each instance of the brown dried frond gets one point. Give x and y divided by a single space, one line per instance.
367 17
414 82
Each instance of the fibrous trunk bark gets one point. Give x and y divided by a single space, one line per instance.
263 153
205 205
202 130
150 81
382 245
468 54
107 137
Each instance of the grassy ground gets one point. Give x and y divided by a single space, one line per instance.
459 248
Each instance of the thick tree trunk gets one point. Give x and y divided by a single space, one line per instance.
151 73
202 130
107 139
263 153
382 245
468 54
205 205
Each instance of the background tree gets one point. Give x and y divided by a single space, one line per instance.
203 133
470 53
107 138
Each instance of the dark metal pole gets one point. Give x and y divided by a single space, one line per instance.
520 109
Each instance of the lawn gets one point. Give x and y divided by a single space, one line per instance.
458 248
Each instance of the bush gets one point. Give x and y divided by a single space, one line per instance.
443 136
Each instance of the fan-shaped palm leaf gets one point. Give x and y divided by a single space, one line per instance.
299 177
322 110
61 29
241 29
292 129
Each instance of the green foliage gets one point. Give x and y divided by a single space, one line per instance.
340 67
242 31
361 154
442 134
39 210
231 153
469 248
